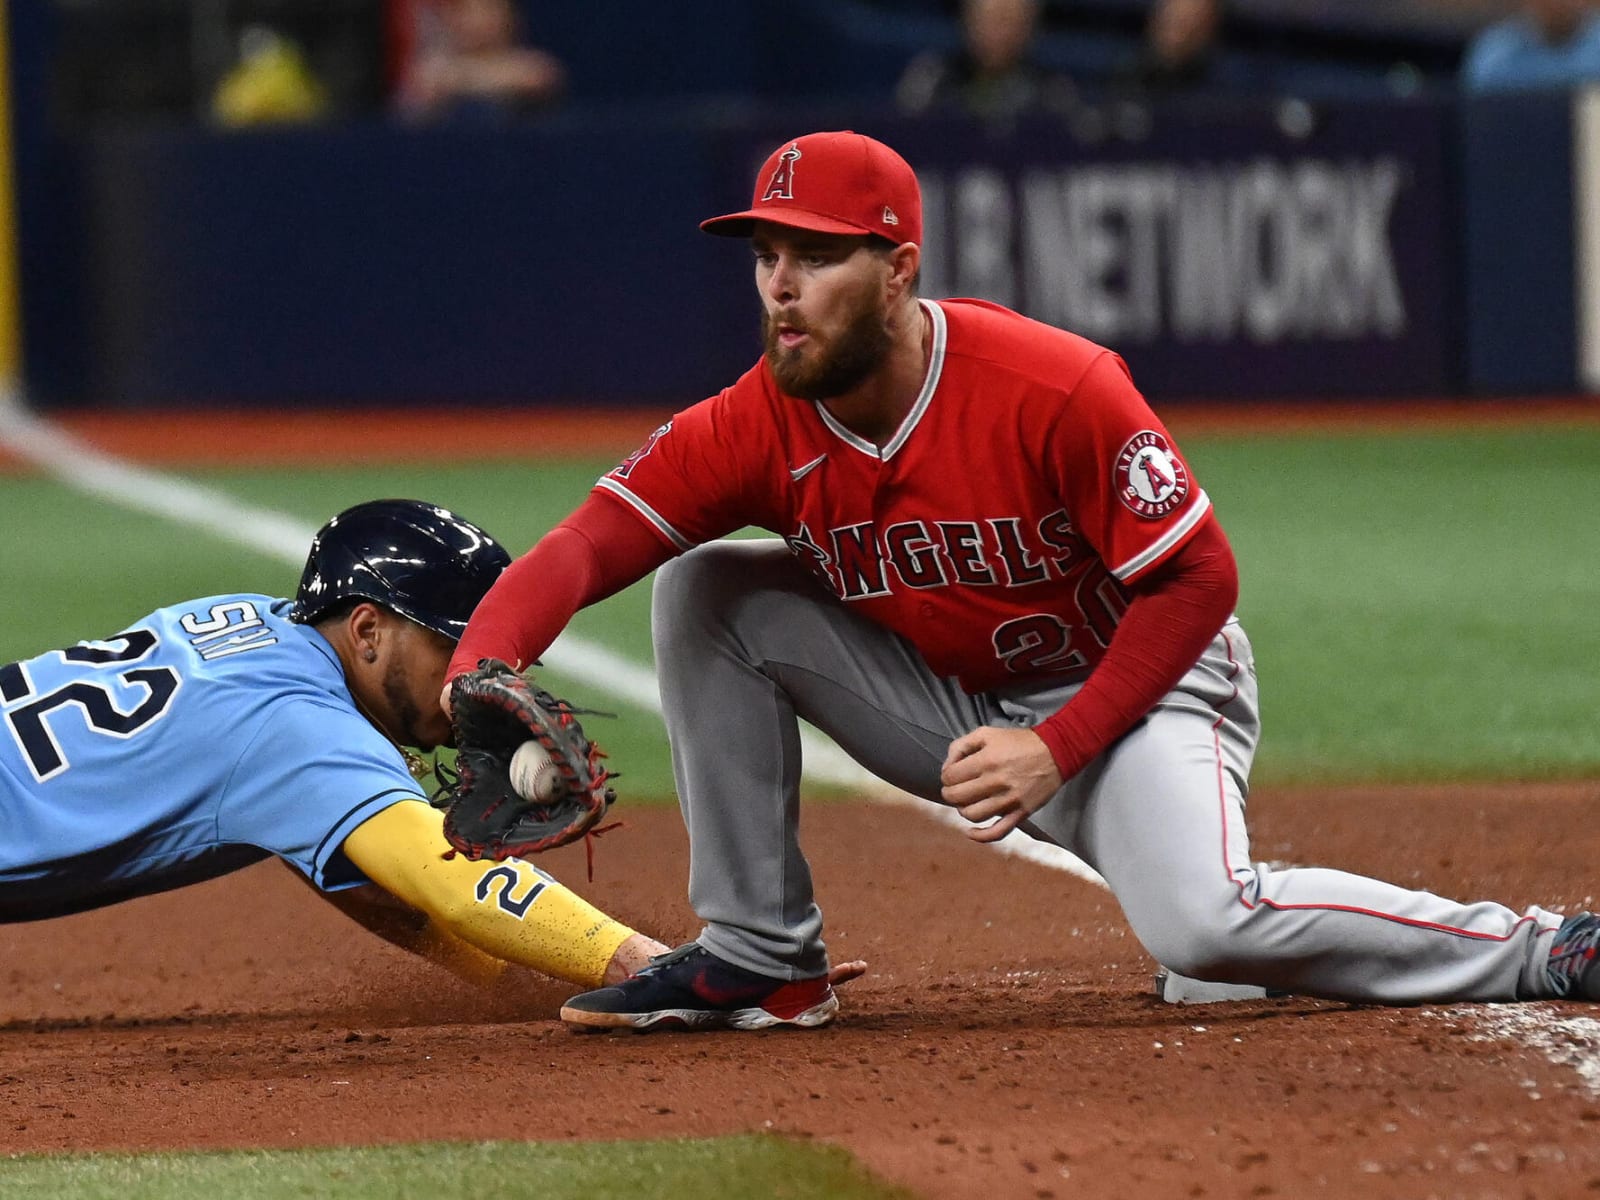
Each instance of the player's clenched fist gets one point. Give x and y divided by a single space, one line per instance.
1004 773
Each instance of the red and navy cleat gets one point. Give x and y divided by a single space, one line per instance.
1574 969
691 988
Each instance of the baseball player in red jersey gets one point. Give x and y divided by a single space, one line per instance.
999 587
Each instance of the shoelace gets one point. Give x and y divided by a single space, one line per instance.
671 956
1573 953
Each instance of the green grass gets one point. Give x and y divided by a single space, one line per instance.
1422 606
79 567
732 1168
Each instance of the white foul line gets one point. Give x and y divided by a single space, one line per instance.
79 465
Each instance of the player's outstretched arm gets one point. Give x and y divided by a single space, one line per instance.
510 910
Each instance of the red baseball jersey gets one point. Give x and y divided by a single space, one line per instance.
995 530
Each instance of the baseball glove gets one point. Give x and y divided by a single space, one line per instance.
494 711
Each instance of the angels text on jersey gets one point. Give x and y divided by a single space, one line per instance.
855 560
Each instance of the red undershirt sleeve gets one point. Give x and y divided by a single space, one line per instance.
597 551
1174 614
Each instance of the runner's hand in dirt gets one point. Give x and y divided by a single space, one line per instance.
1004 773
842 973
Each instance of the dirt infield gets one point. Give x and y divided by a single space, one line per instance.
1005 1042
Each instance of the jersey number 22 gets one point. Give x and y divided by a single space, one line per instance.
93 697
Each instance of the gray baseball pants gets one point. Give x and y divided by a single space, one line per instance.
747 642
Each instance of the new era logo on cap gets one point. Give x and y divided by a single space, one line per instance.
836 182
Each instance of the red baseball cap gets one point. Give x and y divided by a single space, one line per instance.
837 182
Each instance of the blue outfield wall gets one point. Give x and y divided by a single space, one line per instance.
375 264
1517 192
1356 248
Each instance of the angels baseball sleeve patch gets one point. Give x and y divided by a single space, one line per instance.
1150 479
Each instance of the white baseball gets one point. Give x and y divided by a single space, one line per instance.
533 773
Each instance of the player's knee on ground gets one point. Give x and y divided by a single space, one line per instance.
1212 935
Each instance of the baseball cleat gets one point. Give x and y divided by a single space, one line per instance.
691 988
1572 970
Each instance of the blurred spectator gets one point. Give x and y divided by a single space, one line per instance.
271 84
1180 52
1549 44
469 60
994 75
240 62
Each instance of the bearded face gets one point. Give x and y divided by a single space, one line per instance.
834 358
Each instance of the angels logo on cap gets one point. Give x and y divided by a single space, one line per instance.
839 182
1150 479
781 185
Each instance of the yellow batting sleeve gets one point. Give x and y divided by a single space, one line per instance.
509 909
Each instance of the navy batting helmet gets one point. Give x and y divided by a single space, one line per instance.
422 561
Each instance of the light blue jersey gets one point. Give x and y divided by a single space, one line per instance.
203 738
